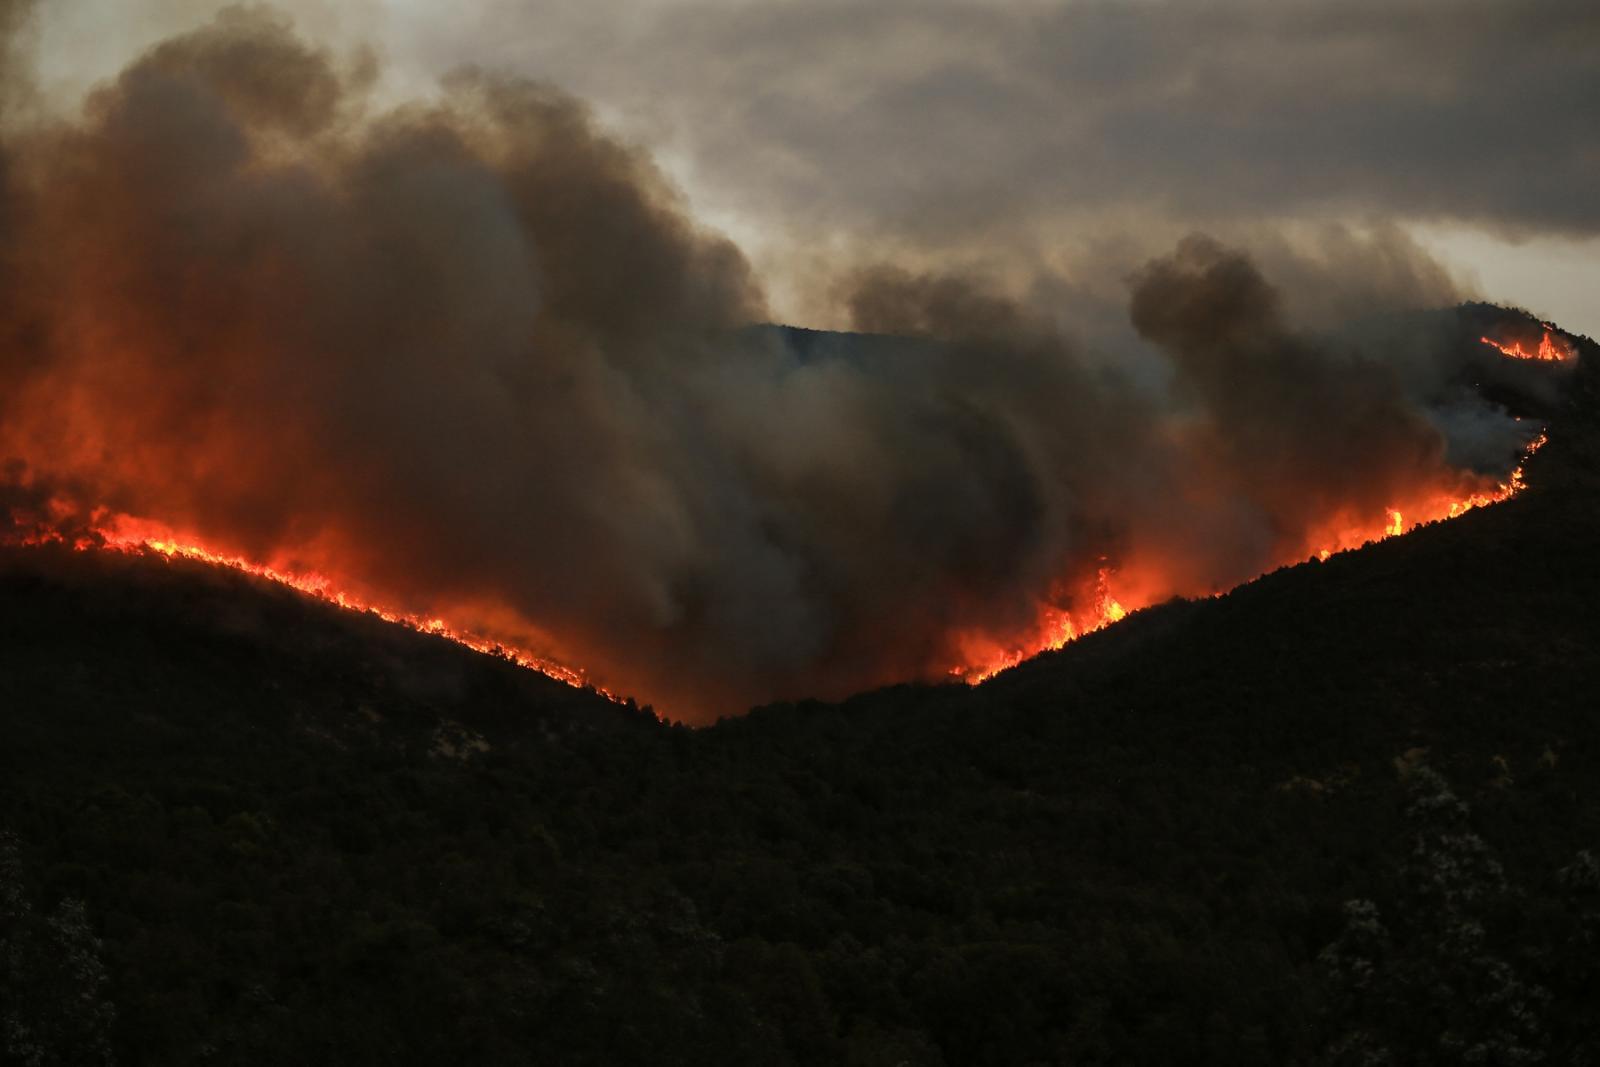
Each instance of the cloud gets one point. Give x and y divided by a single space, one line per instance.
951 119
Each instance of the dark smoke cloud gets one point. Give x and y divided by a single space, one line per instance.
475 355
14 17
956 119
1298 428
1340 273
392 339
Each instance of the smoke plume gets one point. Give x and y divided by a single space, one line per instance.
472 356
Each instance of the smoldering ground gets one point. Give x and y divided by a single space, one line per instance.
472 356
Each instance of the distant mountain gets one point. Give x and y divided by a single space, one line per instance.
1350 811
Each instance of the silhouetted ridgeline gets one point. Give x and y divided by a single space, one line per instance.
1351 808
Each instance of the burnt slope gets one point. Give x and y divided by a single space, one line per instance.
304 836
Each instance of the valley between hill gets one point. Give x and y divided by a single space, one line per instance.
1351 809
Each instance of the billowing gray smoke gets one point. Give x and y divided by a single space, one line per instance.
472 356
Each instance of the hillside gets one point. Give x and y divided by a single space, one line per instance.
305 836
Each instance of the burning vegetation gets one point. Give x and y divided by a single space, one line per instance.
469 359
106 533
1550 349
1058 626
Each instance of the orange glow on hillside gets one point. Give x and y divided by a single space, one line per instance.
1071 610
135 537
1549 351
984 657
1056 627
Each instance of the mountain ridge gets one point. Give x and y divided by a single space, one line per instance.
1193 836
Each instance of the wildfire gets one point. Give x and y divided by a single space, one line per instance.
134 537
1549 351
984 658
1056 628
1073 609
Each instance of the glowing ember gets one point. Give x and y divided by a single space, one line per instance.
1549 351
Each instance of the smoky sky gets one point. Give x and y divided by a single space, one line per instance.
474 353
1056 144
944 120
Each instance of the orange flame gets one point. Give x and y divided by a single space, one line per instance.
137 537
982 654
1056 627
1549 351
984 657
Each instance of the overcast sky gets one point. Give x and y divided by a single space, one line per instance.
1063 141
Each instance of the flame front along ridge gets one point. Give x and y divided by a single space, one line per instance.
1057 626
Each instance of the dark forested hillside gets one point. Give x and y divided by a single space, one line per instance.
1349 813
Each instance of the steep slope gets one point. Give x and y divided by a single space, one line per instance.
307 836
